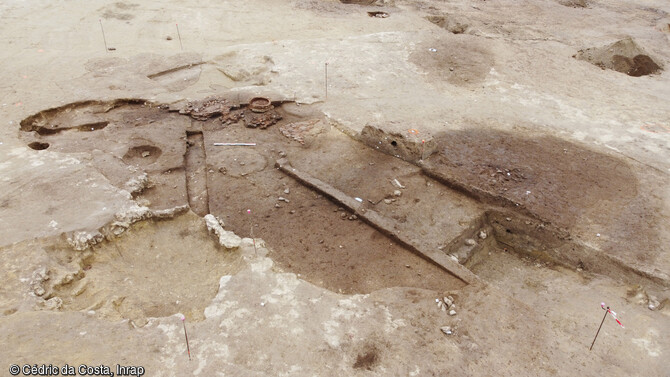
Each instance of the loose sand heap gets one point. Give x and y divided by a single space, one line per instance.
623 56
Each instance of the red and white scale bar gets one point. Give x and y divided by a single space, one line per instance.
612 313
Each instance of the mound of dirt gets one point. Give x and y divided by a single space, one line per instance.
623 56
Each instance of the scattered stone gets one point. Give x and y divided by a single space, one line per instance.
653 303
39 291
227 239
297 131
388 201
452 312
207 108
261 120
482 235
446 330
54 303
397 184
286 191
80 287
448 302
277 205
343 215
83 240
397 193
137 184
353 217
508 218
169 38
292 211
146 154
470 242
283 199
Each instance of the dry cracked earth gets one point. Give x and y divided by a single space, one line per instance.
321 187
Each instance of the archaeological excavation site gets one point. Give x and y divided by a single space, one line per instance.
335 188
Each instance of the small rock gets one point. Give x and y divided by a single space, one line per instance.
320 241
282 154
169 38
448 302
653 303
54 303
452 312
343 215
39 291
292 211
277 205
353 217
388 201
283 199
482 235
397 192
146 154
286 191
470 242
508 218
80 287
446 330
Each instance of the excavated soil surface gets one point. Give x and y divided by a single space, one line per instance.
564 184
307 234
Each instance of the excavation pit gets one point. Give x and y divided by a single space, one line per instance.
336 213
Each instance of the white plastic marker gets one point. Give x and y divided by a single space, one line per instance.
234 144
613 314
252 233
183 319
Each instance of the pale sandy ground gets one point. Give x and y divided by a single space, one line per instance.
513 71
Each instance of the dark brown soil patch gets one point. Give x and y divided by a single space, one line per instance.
306 233
564 184
367 359
38 146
